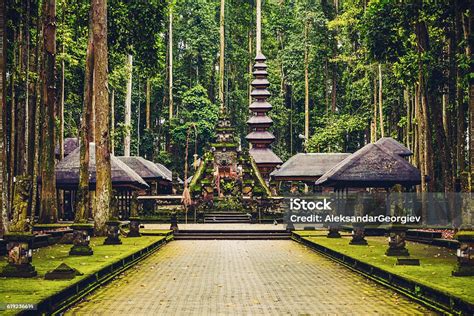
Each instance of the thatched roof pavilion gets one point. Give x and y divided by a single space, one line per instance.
394 147
307 166
70 144
168 173
371 166
146 169
67 172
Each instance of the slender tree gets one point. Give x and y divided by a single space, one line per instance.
3 155
221 53
306 84
382 134
112 122
148 101
48 211
102 108
128 106
170 61
83 194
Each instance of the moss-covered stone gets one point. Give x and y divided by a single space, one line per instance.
25 270
81 250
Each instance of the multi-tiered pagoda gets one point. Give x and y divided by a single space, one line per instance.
259 123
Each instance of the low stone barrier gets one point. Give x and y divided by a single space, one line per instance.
58 303
438 300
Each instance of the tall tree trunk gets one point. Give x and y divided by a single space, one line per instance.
374 117
61 108
11 150
250 67
20 162
38 122
421 135
460 104
101 95
406 97
170 64
382 134
83 194
334 87
258 33
3 154
112 122
128 108
306 86
138 116
148 101
467 30
49 211
26 136
422 39
222 52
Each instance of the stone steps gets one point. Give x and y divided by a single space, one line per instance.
226 218
232 234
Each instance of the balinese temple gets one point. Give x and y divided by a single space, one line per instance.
259 137
226 170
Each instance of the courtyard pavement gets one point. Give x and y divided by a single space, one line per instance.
242 277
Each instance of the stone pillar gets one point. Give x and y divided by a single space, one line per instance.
396 241
333 231
134 218
113 233
19 256
358 229
134 227
174 222
358 234
81 239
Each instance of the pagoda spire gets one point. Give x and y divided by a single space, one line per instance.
259 137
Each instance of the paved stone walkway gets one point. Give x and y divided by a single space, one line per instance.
234 277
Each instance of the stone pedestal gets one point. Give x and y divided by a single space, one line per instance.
113 233
333 232
81 239
465 254
174 222
358 235
19 256
134 227
396 242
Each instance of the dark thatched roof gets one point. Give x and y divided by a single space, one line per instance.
371 166
67 172
308 166
144 168
167 172
70 144
394 147
264 156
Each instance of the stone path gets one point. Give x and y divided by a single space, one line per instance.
234 277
